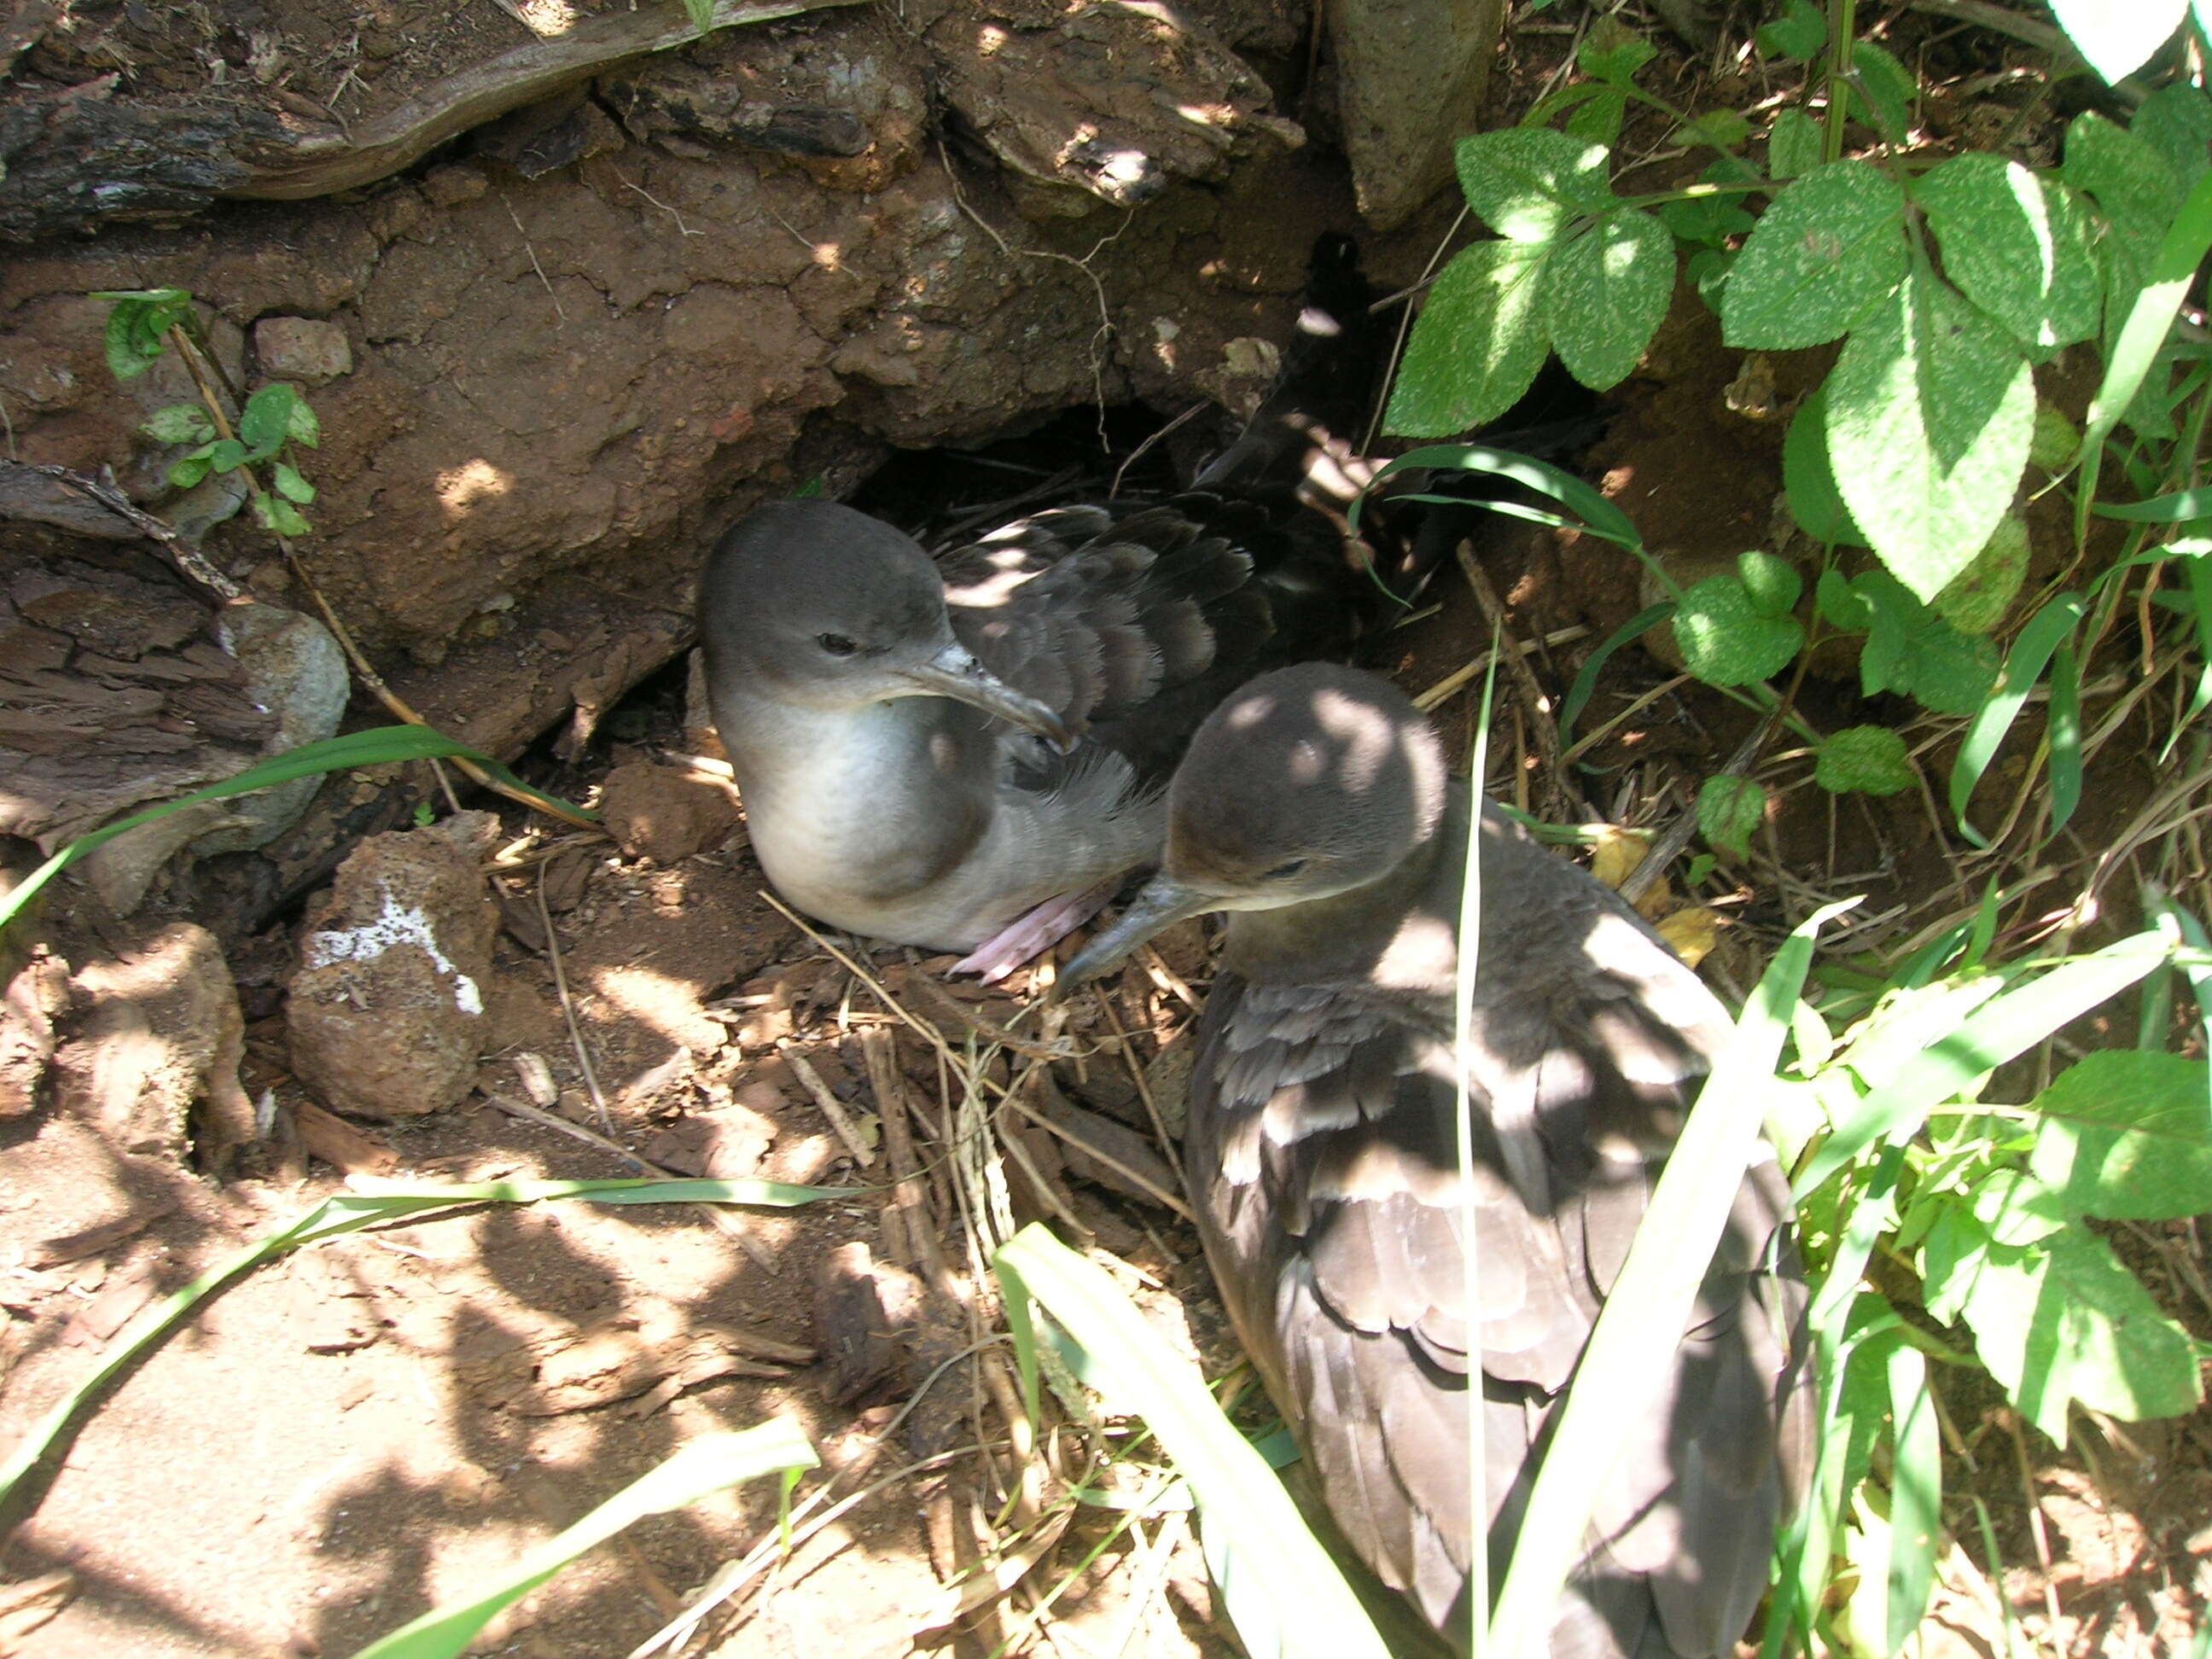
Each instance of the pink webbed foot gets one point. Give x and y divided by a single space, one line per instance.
1028 936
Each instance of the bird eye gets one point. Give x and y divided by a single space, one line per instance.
837 645
1282 871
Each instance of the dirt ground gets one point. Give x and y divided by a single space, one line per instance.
373 1425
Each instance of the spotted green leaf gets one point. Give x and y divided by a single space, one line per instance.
1729 809
2017 243
1793 144
2125 1135
1870 759
1728 638
1605 292
1829 249
1527 183
1976 599
1930 410
1478 344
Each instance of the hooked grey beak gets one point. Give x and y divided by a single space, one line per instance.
1163 902
954 672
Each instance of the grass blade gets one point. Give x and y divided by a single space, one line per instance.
1578 694
1245 1507
2151 317
348 1212
2064 725
1916 1494
379 746
1641 1323
1599 516
2044 632
703 1466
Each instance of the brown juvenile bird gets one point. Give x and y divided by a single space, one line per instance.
1321 1159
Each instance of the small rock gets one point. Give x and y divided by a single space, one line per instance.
301 349
34 999
386 1012
159 1033
665 814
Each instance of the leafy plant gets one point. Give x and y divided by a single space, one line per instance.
141 324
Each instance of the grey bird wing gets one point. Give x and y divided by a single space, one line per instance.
1322 1152
1094 610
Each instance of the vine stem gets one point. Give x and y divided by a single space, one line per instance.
203 373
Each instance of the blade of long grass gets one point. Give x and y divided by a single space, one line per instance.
2064 725
1645 1314
2150 320
1243 1503
1599 516
2044 634
1578 694
1916 1494
378 746
1993 1033
1469 967
697 1469
2198 570
348 1212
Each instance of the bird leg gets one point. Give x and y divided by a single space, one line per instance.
1030 935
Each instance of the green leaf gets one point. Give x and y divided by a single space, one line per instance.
1798 34
702 13
1976 599
267 420
2134 186
1477 344
1727 639
2150 314
2062 1320
2017 243
302 428
1723 129
276 514
2127 1135
1605 292
1597 118
2118 37
1870 759
2176 121
1794 143
1708 220
1526 183
179 423
1882 91
289 484
2054 441
225 454
1774 583
1840 604
1829 249
1808 479
1611 51
126 352
699 1469
1910 649
187 472
1728 810
1930 413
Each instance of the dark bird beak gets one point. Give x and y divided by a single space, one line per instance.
1163 902
954 672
